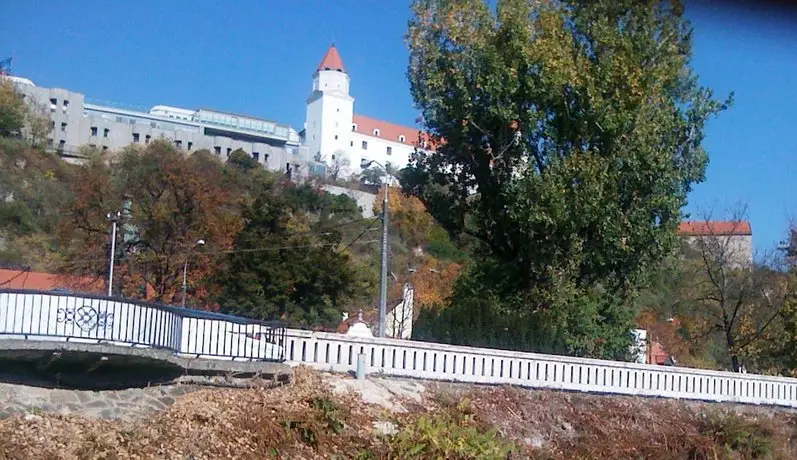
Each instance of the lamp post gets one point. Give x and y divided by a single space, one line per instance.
185 269
114 219
383 278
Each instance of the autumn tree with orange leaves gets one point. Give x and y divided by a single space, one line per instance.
170 201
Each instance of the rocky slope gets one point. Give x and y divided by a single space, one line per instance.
336 417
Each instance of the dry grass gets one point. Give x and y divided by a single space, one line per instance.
305 420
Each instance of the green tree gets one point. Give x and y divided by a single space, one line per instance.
568 135
282 269
13 110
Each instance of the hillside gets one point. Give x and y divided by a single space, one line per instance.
320 416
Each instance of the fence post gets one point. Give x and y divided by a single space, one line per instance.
361 366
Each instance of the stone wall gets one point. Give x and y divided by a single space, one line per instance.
126 404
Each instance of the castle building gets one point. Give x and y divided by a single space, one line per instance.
335 134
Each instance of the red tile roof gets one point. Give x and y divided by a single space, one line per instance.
657 354
723 228
22 279
388 131
331 60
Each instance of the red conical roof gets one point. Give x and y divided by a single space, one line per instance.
331 60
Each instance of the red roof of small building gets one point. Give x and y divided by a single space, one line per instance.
37 281
389 131
657 354
719 228
331 60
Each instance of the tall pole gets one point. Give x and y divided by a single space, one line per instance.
383 281
185 284
185 269
114 218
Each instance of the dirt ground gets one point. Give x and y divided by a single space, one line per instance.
333 417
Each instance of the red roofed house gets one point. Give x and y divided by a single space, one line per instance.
332 130
733 238
37 281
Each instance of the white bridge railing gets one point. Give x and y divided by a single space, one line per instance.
434 361
61 317
28 315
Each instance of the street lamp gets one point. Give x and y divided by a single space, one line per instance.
383 278
114 219
185 269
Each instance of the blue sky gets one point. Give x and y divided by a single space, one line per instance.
256 57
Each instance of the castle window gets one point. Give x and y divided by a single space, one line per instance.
376 132
402 139
365 145
354 127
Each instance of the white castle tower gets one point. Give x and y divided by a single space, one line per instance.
330 110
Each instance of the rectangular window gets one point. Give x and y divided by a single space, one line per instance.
336 137
53 103
52 124
365 145
265 159
229 151
146 139
120 120
191 144
217 150
351 143
178 144
256 157
93 130
66 104
106 132
390 150
104 148
61 145
63 127
135 138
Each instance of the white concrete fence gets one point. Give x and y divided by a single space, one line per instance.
434 361
26 315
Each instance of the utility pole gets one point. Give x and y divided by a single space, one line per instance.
383 278
114 218
380 331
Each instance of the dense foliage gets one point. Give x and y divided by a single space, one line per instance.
568 135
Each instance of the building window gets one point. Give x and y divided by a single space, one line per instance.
106 132
190 144
53 104
354 127
333 157
229 151
63 127
104 148
256 156
52 124
61 145
217 150
178 144
153 124
135 138
51 141
390 150
402 139
93 130
94 146
120 120
365 145
388 166
336 137
338 109
66 104
265 158
147 138
376 133
351 143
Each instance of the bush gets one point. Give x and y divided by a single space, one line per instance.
450 435
734 434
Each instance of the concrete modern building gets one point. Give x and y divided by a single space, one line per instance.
75 123
332 128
